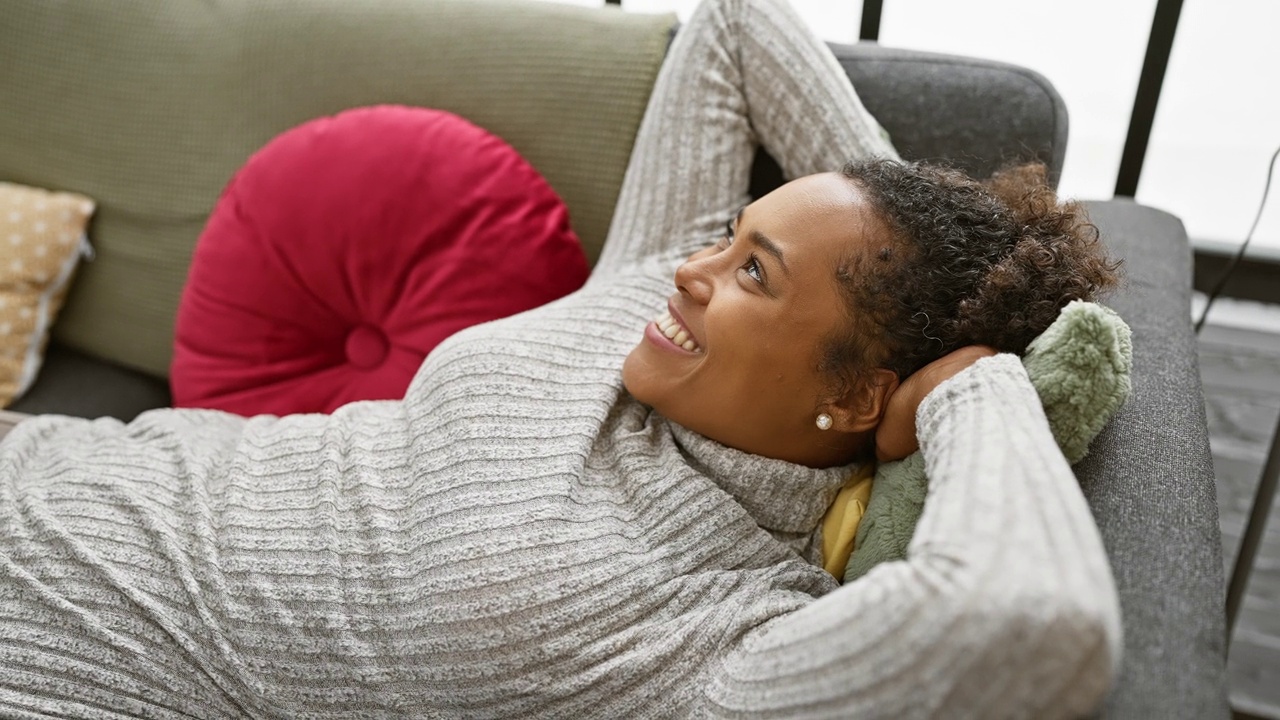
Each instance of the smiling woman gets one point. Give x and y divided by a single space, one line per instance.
843 285
610 505
757 304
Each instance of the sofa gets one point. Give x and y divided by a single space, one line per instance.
148 108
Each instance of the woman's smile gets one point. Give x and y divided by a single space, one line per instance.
737 356
670 332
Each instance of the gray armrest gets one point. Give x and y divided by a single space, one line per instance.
975 114
1149 480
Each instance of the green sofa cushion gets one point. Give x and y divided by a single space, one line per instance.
149 107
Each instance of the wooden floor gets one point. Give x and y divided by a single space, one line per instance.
1240 368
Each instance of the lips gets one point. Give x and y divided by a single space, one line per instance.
670 327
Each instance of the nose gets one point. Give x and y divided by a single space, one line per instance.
694 278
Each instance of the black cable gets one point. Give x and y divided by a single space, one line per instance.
1226 274
1264 497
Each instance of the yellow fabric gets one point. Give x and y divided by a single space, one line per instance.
42 235
840 524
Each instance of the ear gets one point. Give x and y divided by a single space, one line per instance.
862 407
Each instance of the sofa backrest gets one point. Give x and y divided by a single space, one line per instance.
149 107
972 113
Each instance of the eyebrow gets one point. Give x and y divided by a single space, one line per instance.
763 242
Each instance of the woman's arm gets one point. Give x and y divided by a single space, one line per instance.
1005 606
739 74
896 434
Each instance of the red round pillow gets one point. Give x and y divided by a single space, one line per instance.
349 247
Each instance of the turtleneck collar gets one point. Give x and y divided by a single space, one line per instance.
781 496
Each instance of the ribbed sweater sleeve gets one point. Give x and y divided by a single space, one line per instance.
1005 606
740 74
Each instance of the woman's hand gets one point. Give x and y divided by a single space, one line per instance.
896 434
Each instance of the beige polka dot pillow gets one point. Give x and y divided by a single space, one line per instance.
42 237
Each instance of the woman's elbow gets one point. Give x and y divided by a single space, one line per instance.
1057 656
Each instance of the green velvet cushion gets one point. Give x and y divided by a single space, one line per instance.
149 107
1080 368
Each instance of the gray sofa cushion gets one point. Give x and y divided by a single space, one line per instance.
995 113
72 383
1149 479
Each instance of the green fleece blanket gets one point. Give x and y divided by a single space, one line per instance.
1079 366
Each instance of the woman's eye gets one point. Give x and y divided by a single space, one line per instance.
752 266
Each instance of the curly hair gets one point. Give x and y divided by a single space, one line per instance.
964 262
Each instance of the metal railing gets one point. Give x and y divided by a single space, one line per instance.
1164 24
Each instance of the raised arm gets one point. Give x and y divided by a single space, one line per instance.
1005 606
741 73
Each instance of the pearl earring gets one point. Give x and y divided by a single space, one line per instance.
824 421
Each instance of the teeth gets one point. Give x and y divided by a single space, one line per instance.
668 326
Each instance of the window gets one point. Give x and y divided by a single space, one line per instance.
1091 50
1217 124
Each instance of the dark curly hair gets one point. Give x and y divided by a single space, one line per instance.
964 262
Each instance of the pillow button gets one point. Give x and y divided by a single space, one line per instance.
367 347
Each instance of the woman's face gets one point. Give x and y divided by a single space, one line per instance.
751 314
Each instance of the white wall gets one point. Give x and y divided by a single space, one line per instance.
1218 122
1091 50
1219 115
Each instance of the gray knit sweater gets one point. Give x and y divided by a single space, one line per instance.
519 538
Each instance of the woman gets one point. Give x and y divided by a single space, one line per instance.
586 510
